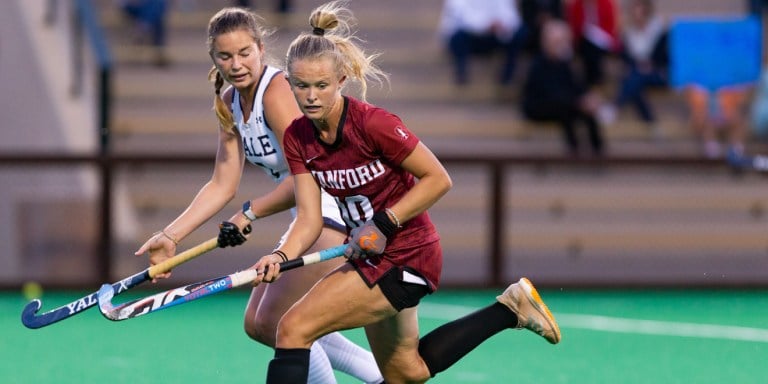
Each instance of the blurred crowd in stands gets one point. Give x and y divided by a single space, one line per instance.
149 19
568 43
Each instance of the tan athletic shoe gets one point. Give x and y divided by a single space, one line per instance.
523 299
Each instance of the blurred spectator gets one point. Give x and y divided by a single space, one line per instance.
553 92
757 7
595 27
721 109
149 18
716 63
644 53
471 27
535 13
281 6
758 110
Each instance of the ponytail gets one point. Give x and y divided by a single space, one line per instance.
332 37
223 114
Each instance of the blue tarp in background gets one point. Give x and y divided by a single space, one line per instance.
715 53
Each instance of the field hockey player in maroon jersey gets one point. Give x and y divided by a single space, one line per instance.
383 180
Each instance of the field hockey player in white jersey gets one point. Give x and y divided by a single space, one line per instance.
253 114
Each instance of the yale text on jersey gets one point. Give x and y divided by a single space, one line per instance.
260 148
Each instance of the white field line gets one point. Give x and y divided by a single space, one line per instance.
620 325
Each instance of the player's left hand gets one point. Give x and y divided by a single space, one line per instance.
231 236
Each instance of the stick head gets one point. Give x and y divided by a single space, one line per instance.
28 316
105 295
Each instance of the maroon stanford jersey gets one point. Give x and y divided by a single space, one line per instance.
361 171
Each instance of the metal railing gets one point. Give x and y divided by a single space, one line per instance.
85 25
496 167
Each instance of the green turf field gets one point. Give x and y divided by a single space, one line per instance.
608 337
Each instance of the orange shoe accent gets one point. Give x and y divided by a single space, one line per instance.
541 304
524 300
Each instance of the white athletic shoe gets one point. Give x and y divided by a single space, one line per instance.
523 299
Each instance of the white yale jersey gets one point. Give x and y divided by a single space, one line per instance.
259 142
261 146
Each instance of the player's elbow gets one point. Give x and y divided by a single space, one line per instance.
448 182
443 183
230 194
223 190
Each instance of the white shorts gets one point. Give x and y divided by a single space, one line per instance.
331 215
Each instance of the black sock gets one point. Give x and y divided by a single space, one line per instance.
448 343
289 366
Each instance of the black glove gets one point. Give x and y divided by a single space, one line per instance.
230 235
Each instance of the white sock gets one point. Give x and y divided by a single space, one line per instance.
350 358
320 370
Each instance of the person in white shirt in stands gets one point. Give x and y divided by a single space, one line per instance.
645 57
471 27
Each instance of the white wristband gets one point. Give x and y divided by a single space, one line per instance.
247 211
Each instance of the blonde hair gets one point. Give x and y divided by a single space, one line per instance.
333 37
228 20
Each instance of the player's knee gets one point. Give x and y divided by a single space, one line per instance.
259 330
249 325
292 332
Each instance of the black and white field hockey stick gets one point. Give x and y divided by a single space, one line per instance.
31 320
198 290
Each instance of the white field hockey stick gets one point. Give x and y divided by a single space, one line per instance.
198 290
31 320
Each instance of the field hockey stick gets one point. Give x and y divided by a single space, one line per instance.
194 291
31 320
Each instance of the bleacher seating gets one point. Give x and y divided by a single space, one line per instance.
160 101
